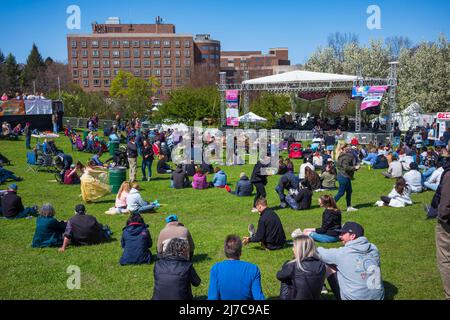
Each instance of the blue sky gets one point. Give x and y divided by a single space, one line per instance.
301 26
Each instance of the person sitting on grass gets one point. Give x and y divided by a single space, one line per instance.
174 229
220 178
413 178
120 206
289 165
353 271
71 176
371 157
244 188
12 207
135 203
395 169
180 179
84 229
136 242
96 159
162 167
174 273
233 279
432 183
6 174
199 180
399 197
301 198
303 277
312 179
270 231
331 222
328 177
49 231
282 168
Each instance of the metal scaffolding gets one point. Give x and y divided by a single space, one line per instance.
392 95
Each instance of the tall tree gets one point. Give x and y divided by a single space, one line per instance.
396 44
12 73
337 41
3 85
271 106
33 67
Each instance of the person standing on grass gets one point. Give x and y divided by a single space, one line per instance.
27 134
347 166
270 232
441 200
132 153
147 160
259 180
55 123
233 279
174 273
353 271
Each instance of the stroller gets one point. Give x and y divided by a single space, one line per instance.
4 160
295 151
120 158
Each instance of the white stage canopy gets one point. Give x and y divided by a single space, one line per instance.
251 117
301 76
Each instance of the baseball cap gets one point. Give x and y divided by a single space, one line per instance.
352 227
171 218
13 186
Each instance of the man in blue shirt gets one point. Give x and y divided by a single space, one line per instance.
233 279
96 159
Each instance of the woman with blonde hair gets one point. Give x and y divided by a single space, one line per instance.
93 183
303 277
121 199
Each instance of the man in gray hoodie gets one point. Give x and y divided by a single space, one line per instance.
354 270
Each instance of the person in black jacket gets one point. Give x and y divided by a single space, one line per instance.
84 229
136 242
174 273
381 162
303 277
244 188
12 207
180 178
270 231
190 168
287 182
259 180
301 200
162 167
331 222
147 160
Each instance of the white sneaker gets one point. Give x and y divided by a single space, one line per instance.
379 203
254 210
351 209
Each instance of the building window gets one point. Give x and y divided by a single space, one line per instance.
166 43
126 53
125 43
137 63
136 43
106 82
146 43
157 72
105 44
74 53
187 72
85 83
177 62
205 56
105 63
116 72
157 62
116 53
187 53
106 73
178 72
83 43
116 63
187 44
147 53
97 83
166 62
73 43
137 72
147 63
179 82
96 73
126 63
167 53
136 53
74 63
156 43
94 43
204 48
85 63
115 43
84 53
95 63
105 54
147 73
76 81
85 73
95 53
212 56
156 53
75 73
177 53
167 82
187 62
167 72
177 43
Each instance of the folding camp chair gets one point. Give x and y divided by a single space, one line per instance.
31 161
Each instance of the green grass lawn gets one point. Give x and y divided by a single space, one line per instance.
405 239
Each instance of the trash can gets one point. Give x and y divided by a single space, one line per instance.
113 146
117 175
85 134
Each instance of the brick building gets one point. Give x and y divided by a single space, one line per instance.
142 49
257 63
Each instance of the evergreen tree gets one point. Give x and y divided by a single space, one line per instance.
11 73
33 66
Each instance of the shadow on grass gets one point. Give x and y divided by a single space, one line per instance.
200 257
102 201
390 291
365 205
159 178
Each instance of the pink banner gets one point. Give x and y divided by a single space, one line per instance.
371 101
231 95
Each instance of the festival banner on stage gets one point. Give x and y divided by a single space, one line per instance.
367 90
38 106
12 108
232 112
371 101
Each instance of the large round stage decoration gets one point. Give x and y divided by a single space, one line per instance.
337 101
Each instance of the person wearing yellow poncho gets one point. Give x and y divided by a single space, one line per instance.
94 183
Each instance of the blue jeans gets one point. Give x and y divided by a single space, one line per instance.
323 237
345 186
147 163
427 173
25 213
27 142
55 128
147 208
281 194
432 186
291 202
6 174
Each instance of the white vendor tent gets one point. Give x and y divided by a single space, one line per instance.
252 118
301 76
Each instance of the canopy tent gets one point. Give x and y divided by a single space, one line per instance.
251 118
302 76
